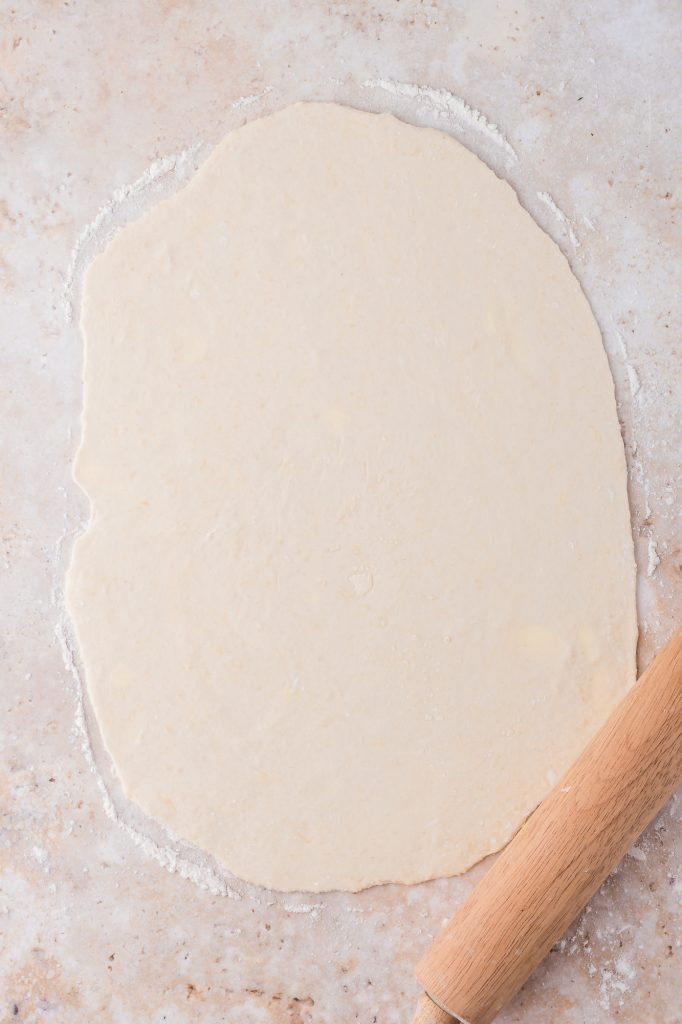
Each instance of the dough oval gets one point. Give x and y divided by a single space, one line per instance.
359 579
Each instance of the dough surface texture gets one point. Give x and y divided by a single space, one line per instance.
359 578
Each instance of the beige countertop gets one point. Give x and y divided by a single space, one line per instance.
92 926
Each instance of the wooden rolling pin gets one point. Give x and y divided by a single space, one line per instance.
561 855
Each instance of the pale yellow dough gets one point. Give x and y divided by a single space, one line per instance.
359 581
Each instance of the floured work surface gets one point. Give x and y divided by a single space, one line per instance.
359 579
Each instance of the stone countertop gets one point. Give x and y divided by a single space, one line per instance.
93 927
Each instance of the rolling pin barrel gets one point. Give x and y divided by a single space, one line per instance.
563 853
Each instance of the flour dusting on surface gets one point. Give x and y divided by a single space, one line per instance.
247 101
633 376
199 870
654 559
303 908
444 104
637 853
548 201
200 874
176 166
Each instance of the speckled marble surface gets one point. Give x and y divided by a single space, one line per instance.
91 927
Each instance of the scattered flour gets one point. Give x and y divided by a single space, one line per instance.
625 968
201 874
95 235
303 908
637 473
41 855
637 853
247 101
444 104
633 376
611 985
546 198
653 557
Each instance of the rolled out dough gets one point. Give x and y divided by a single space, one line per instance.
359 580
